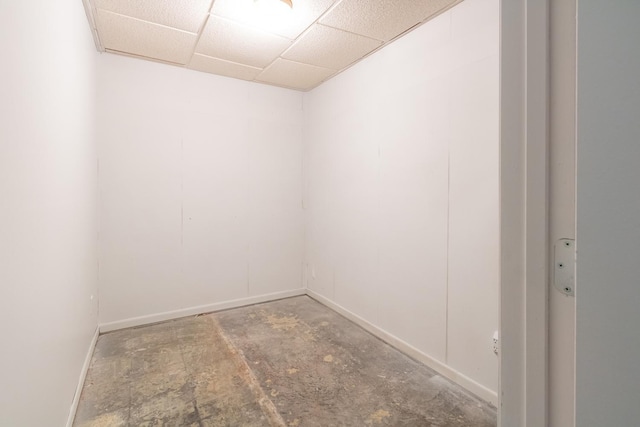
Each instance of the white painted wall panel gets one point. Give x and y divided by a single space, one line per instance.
48 198
200 179
276 225
386 236
473 281
319 209
355 222
343 205
474 221
413 215
215 215
140 215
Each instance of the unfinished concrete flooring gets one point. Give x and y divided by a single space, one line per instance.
291 362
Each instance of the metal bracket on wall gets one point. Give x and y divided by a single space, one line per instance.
564 271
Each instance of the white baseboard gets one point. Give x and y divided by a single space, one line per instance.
192 311
444 370
83 376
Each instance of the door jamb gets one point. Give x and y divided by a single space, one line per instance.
524 215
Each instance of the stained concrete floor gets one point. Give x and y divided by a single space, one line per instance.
291 362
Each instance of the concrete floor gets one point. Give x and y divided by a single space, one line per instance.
291 362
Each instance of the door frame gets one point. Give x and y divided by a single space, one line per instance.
524 207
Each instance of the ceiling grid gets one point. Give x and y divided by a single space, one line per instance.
258 40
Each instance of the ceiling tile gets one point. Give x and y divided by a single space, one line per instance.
222 67
273 16
134 36
382 19
330 48
258 40
184 15
230 41
294 74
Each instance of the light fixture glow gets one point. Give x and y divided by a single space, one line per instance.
269 15
273 4
273 16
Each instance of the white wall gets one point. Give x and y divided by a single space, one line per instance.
608 215
402 190
48 199
200 189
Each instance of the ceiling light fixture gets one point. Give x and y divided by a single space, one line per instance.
272 16
262 2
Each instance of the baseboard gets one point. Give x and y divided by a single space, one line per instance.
192 311
444 370
83 376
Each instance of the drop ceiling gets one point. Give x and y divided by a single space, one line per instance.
257 40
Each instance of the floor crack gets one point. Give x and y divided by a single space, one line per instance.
266 405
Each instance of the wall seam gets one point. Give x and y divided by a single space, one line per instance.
449 141
182 278
446 322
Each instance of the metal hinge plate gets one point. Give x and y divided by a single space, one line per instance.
564 270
